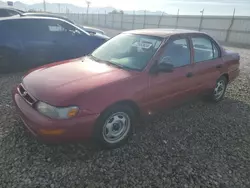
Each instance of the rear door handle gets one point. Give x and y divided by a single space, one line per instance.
190 74
218 66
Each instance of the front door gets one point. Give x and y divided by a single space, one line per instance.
71 42
36 42
170 89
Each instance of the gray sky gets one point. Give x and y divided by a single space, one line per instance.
170 6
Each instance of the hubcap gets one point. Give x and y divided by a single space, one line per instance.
219 89
116 127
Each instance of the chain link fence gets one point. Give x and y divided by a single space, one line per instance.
230 29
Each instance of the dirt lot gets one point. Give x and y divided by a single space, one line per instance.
197 145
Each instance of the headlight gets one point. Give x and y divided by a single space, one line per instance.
57 112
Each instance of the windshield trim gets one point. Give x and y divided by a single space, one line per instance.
149 65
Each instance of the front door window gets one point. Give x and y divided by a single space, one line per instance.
176 53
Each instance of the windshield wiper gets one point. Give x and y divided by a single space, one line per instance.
110 63
118 65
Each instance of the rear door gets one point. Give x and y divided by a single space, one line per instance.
170 89
208 63
37 44
71 41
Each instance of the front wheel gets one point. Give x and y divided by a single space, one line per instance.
220 89
114 126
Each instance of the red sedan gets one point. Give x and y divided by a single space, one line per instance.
134 74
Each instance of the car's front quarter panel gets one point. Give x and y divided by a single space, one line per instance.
133 89
52 130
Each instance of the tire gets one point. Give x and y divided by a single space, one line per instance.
219 90
114 126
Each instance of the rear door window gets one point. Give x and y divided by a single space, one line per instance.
204 49
29 29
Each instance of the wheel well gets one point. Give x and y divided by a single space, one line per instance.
226 76
129 103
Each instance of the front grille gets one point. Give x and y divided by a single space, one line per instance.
25 95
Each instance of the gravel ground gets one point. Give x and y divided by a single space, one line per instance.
195 146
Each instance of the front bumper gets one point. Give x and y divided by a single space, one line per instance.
50 130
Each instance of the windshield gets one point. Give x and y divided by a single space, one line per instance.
128 50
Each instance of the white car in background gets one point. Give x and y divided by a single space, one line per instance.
92 30
7 11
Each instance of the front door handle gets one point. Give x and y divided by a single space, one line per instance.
190 74
218 66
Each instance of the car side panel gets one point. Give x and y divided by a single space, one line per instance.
170 89
206 73
10 42
231 60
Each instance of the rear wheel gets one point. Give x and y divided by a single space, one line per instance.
220 89
114 126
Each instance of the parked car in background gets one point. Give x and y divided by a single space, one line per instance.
90 30
136 73
6 12
28 42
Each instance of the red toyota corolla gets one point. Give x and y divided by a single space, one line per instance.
134 74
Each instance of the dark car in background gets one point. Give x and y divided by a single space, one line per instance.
28 42
90 30
6 12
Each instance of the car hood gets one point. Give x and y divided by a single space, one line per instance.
57 83
98 35
92 29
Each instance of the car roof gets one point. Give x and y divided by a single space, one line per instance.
10 8
38 18
46 15
161 32
38 13
29 17
41 14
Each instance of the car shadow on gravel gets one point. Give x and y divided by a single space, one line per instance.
200 143
179 123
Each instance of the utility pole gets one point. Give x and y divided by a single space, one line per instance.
44 6
201 20
177 19
88 4
59 7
